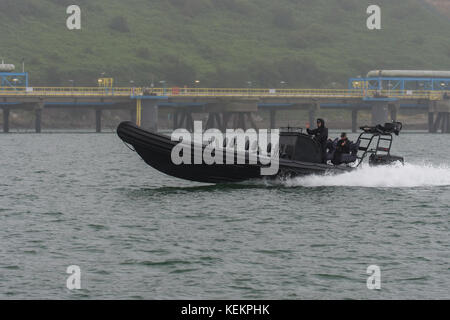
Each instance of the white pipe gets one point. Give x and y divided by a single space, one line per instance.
6 67
408 74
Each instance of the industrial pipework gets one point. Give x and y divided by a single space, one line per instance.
408 74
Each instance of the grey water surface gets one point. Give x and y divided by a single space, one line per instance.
87 200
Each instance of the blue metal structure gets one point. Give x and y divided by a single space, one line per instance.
391 83
13 79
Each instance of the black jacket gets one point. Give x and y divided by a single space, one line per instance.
320 133
343 148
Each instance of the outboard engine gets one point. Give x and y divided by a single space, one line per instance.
385 159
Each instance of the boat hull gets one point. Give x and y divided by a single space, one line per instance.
156 149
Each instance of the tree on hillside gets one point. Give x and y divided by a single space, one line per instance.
119 23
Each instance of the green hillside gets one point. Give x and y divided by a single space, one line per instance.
226 43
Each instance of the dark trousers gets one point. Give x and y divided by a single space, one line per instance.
324 155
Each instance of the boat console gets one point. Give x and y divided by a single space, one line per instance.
374 141
295 145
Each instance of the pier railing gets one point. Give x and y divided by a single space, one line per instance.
68 91
221 92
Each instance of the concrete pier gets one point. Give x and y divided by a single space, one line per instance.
6 120
439 121
273 119
175 120
225 108
213 121
312 114
431 122
231 114
98 120
354 120
439 116
394 109
379 113
149 115
38 119
445 122
183 120
133 115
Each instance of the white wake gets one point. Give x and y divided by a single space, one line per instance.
395 176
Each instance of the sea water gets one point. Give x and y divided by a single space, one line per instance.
87 200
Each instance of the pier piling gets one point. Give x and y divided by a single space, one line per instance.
6 120
273 120
98 120
431 122
379 113
149 119
394 108
354 120
312 115
38 119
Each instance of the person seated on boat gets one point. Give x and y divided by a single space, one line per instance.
353 155
321 136
331 145
342 148
331 148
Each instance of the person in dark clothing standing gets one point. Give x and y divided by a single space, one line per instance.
320 135
342 147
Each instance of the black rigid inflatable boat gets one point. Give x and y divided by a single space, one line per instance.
299 155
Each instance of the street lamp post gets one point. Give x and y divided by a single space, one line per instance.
72 83
249 83
283 84
132 86
196 83
101 80
164 83
15 80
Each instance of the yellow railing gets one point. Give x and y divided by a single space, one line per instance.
221 92
69 91
296 93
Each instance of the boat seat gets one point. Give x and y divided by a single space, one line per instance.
347 158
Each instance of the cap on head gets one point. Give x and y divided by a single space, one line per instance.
321 121
343 135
